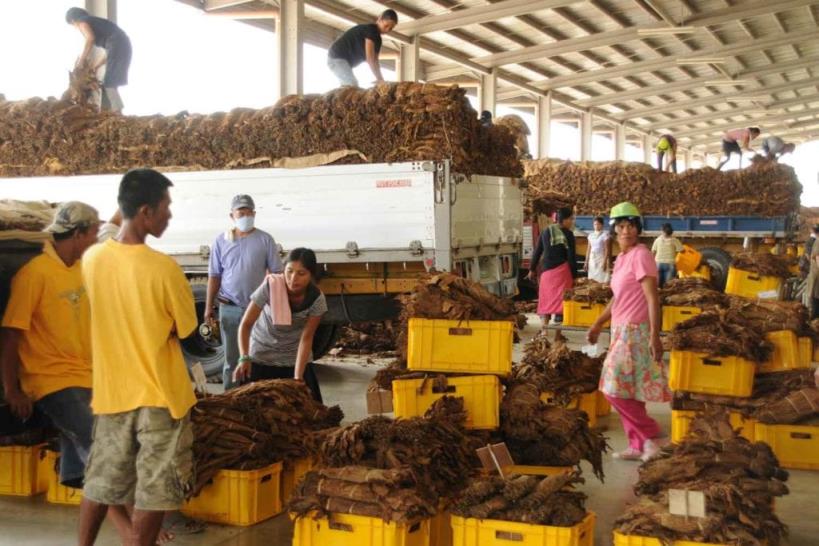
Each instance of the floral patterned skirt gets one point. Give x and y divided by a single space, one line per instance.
629 371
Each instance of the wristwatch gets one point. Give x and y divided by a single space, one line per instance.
244 358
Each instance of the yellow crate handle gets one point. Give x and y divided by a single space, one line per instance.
507 535
801 435
686 312
711 362
754 277
460 331
336 526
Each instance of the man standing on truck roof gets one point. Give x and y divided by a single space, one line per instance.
141 305
667 145
360 43
108 36
736 140
239 261
774 147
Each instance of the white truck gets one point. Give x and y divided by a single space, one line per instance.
374 227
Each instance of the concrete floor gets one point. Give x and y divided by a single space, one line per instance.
32 521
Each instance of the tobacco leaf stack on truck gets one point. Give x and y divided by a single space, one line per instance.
716 212
416 183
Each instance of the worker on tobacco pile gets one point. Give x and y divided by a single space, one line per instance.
736 140
665 250
634 372
774 147
667 145
360 43
276 334
486 118
810 297
556 248
103 33
141 305
46 349
239 260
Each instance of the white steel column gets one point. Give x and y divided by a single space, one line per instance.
107 9
586 122
487 92
289 35
647 149
689 159
409 61
620 142
544 125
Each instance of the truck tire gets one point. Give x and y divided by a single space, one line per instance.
196 348
719 261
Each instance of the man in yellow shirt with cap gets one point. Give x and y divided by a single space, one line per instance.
141 305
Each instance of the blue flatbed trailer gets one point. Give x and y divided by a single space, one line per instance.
778 227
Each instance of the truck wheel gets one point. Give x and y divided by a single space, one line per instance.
325 339
196 348
719 261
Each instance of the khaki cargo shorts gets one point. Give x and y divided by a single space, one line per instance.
142 457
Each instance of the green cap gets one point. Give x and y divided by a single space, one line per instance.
624 210
72 215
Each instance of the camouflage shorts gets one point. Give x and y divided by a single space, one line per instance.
142 457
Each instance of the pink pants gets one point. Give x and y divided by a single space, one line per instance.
638 426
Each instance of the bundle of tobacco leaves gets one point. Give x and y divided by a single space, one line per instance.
770 390
523 307
547 203
25 215
389 494
588 291
719 332
691 292
770 315
365 338
557 369
435 448
740 480
547 435
526 499
796 407
766 264
256 425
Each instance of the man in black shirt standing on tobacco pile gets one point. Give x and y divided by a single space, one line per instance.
360 43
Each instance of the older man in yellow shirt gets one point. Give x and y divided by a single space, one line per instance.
141 305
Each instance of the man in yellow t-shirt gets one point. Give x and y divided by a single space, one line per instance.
141 305
46 343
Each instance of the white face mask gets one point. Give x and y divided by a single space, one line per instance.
244 224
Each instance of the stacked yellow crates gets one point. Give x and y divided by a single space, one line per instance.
478 351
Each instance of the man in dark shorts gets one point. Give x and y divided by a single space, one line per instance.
360 43
735 141
108 36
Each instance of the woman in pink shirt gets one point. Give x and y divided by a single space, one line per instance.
634 372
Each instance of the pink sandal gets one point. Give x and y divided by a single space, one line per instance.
628 454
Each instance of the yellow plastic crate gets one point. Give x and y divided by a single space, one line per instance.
19 471
440 526
476 346
532 470
698 372
58 493
238 497
490 532
603 405
785 355
674 314
586 402
577 313
292 473
805 352
481 394
751 285
634 540
796 446
688 260
702 272
681 421
350 530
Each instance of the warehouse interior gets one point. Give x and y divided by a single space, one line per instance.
619 73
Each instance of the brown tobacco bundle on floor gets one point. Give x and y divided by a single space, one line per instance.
436 449
540 434
256 425
387 494
691 292
721 333
589 291
769 189
557 369
740 480
412 121
365 338
526 499
770 316
526 306
765 263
